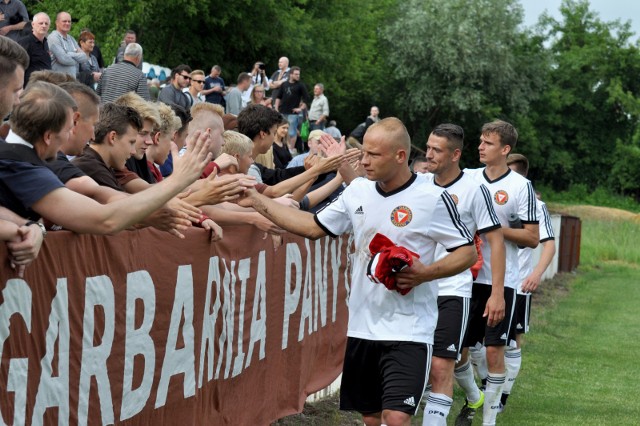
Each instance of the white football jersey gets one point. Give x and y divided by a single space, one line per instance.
512 194
417 216
525 254
476 211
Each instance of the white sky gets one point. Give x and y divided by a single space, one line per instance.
608 10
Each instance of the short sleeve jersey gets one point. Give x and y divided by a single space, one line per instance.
525 255
476 211
416 216
511 193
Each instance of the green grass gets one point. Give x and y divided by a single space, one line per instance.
610 240
580 194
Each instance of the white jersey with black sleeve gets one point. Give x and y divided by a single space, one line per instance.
525 254
476 211
416 216
511 194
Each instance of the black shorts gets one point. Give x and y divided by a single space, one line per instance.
523 313
453 315
384 375
478 331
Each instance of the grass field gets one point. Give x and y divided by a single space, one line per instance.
579 361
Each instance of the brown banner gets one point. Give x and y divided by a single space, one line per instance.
145 328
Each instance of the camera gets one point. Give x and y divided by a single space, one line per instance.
262 66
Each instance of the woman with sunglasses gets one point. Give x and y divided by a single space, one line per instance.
258 97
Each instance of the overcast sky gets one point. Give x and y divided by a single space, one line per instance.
608 10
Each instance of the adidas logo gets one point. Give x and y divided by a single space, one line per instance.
452 348
410 401
519 326
504 336
359 210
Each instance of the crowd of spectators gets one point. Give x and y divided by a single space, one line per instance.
111 142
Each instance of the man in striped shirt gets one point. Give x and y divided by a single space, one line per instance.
124 77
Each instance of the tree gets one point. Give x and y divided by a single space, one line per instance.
590 102
455 60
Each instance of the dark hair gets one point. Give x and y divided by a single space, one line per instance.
520 162
453 133
184 115
116 118
292 69
416 160
256 118
179 69
243 76
11 55
508 134
43 107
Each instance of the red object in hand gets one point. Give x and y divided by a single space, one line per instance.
388 258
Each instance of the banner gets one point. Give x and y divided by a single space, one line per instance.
146 328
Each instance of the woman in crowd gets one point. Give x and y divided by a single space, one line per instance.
281 154
89 72
258 97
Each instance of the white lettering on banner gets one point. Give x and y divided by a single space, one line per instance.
335 268
259 326
243 274
98 292
17 383
228 320
304 294
17 300
291 297
306 312
54 391
138 342
320 293
209 320
180 361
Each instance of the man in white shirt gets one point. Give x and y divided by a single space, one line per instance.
319 110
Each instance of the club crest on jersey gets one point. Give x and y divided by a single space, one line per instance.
401 216
455 198
501 197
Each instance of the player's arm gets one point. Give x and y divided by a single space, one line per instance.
295 221
532 282
527 236
494 309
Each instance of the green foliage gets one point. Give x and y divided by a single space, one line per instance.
453 63
590 101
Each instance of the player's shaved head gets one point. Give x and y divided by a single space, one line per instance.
394 131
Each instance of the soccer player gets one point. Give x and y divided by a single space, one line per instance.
390 335
444 148
529 278
513 198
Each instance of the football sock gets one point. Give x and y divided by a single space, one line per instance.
492 394
437 410
478 355
513 361
464 377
